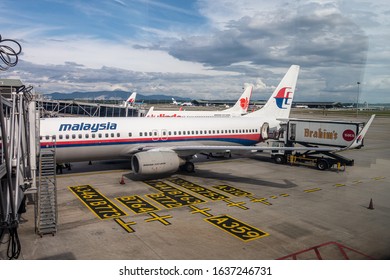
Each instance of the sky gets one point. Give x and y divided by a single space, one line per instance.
202 49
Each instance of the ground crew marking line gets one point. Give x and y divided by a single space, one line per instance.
100 205
261 200
210 194
236 204
378 178
137 204
312 190
124 225
201 211
340 185
161 219
238 229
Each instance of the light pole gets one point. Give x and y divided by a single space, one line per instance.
357 99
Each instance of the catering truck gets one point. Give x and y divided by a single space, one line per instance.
317 133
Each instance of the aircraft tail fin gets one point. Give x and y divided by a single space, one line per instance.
150 112
280 102
131 99
242 103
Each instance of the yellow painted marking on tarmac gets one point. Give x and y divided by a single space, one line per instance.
236 204
378 178
232 190
96 202
312 190
201 211
137 204
91 173
161 219
339 185
261 200
210 194
238 229
125 226
357 182
273 197
284 195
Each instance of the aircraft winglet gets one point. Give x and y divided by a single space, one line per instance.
359 139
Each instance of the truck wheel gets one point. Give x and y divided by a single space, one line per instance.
322 164
279 159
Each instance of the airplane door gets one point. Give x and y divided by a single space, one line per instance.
264 131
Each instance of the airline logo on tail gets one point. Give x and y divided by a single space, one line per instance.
283 97
244 103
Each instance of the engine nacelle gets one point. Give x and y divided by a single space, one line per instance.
155 162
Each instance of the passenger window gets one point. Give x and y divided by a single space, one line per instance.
106 135
150 134
93 135
179 132
112 135
47 137
155 133
80 136
86 135
60 137
73 136
140 134
174 133
67 136
130 134
100 135
118 135
169 133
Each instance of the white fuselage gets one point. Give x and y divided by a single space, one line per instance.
82 139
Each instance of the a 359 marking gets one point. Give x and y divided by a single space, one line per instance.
237 228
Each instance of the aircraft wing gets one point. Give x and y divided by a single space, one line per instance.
185 151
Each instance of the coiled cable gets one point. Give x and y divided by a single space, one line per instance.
9 51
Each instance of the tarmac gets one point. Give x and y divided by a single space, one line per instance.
230 208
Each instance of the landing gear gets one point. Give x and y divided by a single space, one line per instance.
188 167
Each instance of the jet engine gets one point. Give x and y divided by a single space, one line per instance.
155 162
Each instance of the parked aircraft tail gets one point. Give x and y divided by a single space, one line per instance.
242 103
279 104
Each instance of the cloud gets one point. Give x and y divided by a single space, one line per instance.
225 44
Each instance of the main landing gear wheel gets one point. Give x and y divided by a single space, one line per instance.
188 167
322 164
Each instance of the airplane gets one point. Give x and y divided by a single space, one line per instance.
240 108
174 102
131 100
157 146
